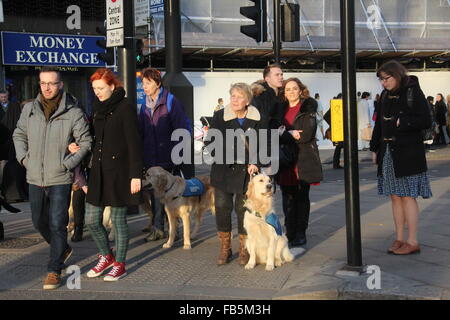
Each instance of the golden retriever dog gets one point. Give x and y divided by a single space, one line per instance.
107 223
169 190
263 243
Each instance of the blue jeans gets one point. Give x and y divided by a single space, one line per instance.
49 210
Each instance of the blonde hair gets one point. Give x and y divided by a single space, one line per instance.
244 88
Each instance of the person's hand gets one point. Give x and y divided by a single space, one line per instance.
374 157
73 147
296 134
135 186
85 189
252 169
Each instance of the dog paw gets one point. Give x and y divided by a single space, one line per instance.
269 267
249 266
278 263
167 245
187 247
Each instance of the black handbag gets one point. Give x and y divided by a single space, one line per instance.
287 156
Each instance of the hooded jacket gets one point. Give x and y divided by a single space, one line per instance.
404 141
42 147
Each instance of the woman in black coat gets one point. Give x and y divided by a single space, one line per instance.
300 126
230 178
398 149
116 172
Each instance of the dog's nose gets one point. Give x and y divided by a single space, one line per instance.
269 186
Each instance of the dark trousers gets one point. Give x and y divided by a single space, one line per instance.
79 208
224 206
337 154
49 211
296 207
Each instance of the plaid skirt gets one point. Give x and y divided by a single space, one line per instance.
409 186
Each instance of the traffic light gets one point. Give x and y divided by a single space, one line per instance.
257 13
139 52
290 22
109 56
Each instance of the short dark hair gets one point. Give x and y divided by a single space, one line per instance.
51 69
430 98
365 94
270 67
2 91
152 74
316 96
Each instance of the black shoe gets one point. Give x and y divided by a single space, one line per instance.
77 234
300 240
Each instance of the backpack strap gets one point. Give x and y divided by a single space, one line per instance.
169 102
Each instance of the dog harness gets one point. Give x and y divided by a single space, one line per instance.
271 219
193 188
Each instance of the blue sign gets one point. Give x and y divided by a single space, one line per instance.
156 6
39 49
140 93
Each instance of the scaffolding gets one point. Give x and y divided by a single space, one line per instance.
381 26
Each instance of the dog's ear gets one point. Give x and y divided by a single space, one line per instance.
250 189
161 181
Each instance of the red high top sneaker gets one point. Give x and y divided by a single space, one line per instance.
104 263
117 272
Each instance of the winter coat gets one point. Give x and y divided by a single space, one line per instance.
117 155
269 105
308 160
232 177
42 147
405 141
157 129
441 111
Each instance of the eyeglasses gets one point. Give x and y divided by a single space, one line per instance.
385 79
49 84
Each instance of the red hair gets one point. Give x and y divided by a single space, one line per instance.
106 75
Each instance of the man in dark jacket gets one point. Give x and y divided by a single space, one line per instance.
45 128
266 99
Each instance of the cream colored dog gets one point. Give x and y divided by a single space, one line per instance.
264 244
169 190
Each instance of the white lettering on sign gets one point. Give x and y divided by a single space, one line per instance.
50 42
74 21
44 57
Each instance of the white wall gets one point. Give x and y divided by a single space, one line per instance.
209 86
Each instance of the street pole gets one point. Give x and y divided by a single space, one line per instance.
277 30
174 79
127 54
354 255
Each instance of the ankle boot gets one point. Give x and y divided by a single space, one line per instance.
243 253
225 248
77 234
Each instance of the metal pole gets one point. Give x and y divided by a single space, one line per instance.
127 54
354 255
277 30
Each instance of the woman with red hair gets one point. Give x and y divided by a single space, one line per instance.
115 176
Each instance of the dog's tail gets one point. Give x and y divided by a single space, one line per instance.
208 196
287 255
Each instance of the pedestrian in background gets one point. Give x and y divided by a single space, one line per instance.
230 180
319 116
220 105
116 172
398 149
441 119
45 128
363 120
300 132
159 117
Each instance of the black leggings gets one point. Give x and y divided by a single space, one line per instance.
79 208
224 207
296 207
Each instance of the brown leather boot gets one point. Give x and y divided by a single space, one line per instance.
225 248
243 253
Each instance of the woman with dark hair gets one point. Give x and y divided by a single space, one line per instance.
116 172
441 119
300 126
160 115
399 152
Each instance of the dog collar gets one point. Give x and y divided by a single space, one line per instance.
255 213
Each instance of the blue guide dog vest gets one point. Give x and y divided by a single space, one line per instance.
272 219
194 187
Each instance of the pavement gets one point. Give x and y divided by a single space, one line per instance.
318 271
